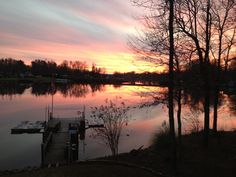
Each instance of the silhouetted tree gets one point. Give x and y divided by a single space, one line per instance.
171 81
156 46
10 67
194 23
63 68
113 115
42 67
224 27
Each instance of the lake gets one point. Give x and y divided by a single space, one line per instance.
20 102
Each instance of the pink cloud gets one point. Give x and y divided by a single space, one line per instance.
94 31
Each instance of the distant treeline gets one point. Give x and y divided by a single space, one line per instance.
75 70
78 71
189 76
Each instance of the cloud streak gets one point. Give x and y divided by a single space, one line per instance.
95 31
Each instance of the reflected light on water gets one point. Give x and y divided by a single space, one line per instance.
28 102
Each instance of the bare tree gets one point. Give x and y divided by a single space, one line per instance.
230 44
210 27
224 28
113 115
193 21
155 45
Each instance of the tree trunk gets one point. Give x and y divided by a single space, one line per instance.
215 115
217 82
171 85
179 115
206 114
206 77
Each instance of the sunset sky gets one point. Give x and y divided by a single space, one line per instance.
95 31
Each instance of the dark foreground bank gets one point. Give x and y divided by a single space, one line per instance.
218 160
89 169
193 160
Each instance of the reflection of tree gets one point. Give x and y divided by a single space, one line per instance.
39 89
80 90
191 99
67 90
194 97
232 103
97 87
114 117
116 86
12 88
76 90
154 95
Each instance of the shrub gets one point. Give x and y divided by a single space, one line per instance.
162 139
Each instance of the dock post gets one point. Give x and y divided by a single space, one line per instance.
42 155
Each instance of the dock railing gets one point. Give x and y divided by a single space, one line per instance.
44 146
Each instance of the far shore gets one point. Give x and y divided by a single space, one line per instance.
48 80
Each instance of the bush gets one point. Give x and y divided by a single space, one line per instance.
162 139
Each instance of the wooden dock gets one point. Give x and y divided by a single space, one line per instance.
60 137
59 146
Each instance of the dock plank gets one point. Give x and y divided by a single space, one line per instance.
56 152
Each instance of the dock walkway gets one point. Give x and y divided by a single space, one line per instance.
56 152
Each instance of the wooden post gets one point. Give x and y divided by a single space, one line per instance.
69 150
42 155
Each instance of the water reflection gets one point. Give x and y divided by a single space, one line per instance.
231 99
78 90
68 98
12 88
189 106
191 98
9 89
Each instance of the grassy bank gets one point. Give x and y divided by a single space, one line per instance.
218 160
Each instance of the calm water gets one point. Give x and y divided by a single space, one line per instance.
25 102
